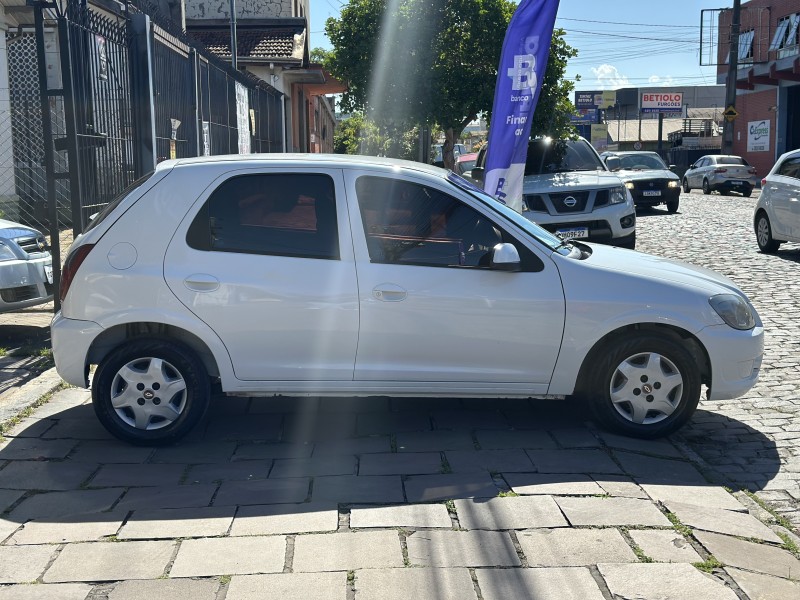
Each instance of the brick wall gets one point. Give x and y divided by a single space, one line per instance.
754 106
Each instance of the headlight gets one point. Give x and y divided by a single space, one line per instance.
734 310
673 184
6 253
617 195
629 185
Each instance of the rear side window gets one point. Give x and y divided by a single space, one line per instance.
278 214
790 168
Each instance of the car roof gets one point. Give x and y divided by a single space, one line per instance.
319 160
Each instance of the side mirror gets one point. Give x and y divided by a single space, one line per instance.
505 257
613 163
478 173
672 167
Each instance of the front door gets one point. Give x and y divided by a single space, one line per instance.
431 308
267 262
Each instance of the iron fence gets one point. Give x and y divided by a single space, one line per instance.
98 95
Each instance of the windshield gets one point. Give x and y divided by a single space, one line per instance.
561 156
541 235
465 165
641 161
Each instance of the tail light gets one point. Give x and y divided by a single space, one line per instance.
763 182
720 170
752 170
71 265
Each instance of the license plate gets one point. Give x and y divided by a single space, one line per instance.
736 182
651 193
48 273
575 232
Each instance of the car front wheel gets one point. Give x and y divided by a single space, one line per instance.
645 386
686 187
672 206
766 243
150 391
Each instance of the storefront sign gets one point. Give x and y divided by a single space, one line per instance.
595 99
600 137
660 102
758 136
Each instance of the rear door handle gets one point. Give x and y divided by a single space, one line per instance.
389 292
201 282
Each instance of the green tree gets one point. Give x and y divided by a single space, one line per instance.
409 62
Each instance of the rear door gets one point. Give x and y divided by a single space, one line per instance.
266 260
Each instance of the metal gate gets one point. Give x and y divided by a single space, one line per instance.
99 95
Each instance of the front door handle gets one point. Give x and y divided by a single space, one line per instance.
389 292
201 282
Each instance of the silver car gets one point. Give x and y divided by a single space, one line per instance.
26 267
723 173
777 214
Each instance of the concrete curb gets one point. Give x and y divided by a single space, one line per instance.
28 394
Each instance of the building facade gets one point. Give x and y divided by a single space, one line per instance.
767 79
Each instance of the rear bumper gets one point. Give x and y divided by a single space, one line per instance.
71 342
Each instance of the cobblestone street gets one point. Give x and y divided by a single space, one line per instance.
391 499
742 439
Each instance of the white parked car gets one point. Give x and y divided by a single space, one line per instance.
777 214
569 191
355 276
722 173
26 267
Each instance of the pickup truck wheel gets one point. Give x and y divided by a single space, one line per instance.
150 391
644 386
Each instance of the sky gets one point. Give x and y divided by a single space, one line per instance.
620 43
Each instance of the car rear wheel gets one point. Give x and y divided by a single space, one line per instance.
686 187
150 391
747 193
672 206
706 187
644 386
766 243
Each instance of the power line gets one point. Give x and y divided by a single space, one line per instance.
630 24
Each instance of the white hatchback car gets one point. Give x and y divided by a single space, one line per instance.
777 214
345 275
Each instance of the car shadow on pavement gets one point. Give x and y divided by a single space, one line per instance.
790 253
299 465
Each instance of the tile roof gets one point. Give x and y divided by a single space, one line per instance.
262 43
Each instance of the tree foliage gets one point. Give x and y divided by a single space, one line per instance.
411 62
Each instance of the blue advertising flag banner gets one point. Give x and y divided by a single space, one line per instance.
519 80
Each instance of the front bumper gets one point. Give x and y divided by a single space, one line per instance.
71 341
667 195
25 283
735 359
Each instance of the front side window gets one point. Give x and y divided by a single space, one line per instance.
292 214
408 223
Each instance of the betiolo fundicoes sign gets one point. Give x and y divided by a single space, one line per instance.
656 102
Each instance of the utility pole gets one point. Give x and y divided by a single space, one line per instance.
730 82
234 43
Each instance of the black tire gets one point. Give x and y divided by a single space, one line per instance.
686 187
748 192
671 371
706 188
672 206
628 242
766 243
151 367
